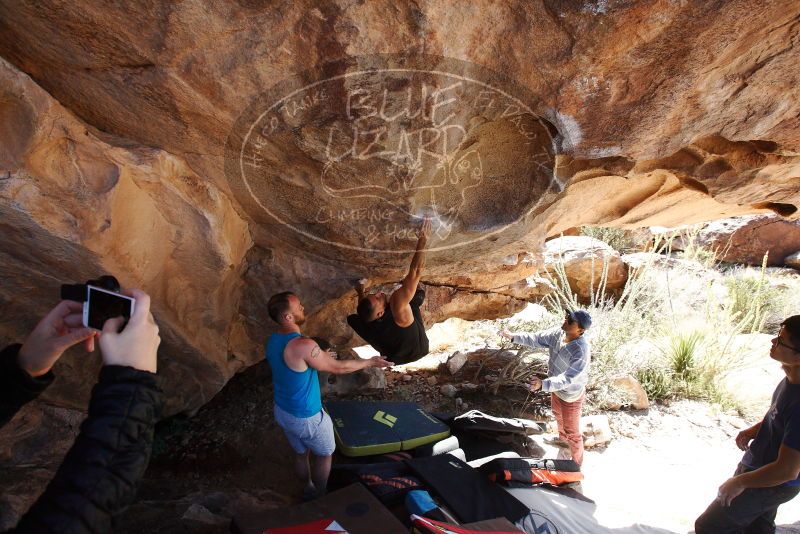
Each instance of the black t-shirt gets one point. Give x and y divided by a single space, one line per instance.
780 426
395 343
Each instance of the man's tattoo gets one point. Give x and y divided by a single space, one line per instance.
315 352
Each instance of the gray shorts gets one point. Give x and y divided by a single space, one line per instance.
304 433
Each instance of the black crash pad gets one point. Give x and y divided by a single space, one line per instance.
375 427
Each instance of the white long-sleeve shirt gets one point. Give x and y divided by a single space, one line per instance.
568 366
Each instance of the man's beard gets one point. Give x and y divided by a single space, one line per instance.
298 322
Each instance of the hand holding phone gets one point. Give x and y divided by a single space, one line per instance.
56 332
137 344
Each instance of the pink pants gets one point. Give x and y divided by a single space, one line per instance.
568 418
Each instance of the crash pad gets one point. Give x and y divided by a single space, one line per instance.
376 427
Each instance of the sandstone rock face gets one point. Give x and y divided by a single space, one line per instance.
748 239
588 264
216 153
532 288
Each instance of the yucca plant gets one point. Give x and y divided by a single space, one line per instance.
682 355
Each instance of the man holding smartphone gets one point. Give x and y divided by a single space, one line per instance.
295 360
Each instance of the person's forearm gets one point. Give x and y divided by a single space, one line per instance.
344 367
770 475
418 261
529 340
557 383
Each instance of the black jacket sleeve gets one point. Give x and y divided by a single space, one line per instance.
99 474
16 386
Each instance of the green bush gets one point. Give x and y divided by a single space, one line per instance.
656 382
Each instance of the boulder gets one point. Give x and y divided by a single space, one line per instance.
369 379
596 430
456 362
443 302
201 514
747 239
448 390
793 260
585 260
532 288
632 391
32 446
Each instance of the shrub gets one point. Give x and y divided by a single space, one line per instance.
656 382
617 238
692 250
751 300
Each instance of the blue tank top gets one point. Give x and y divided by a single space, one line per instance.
295 392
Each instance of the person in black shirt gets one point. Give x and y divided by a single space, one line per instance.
393 325
769 473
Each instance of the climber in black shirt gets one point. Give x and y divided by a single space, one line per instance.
393 325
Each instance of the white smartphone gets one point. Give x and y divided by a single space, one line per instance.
102 304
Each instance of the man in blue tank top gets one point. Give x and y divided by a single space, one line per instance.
769 473
295 360
393 325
